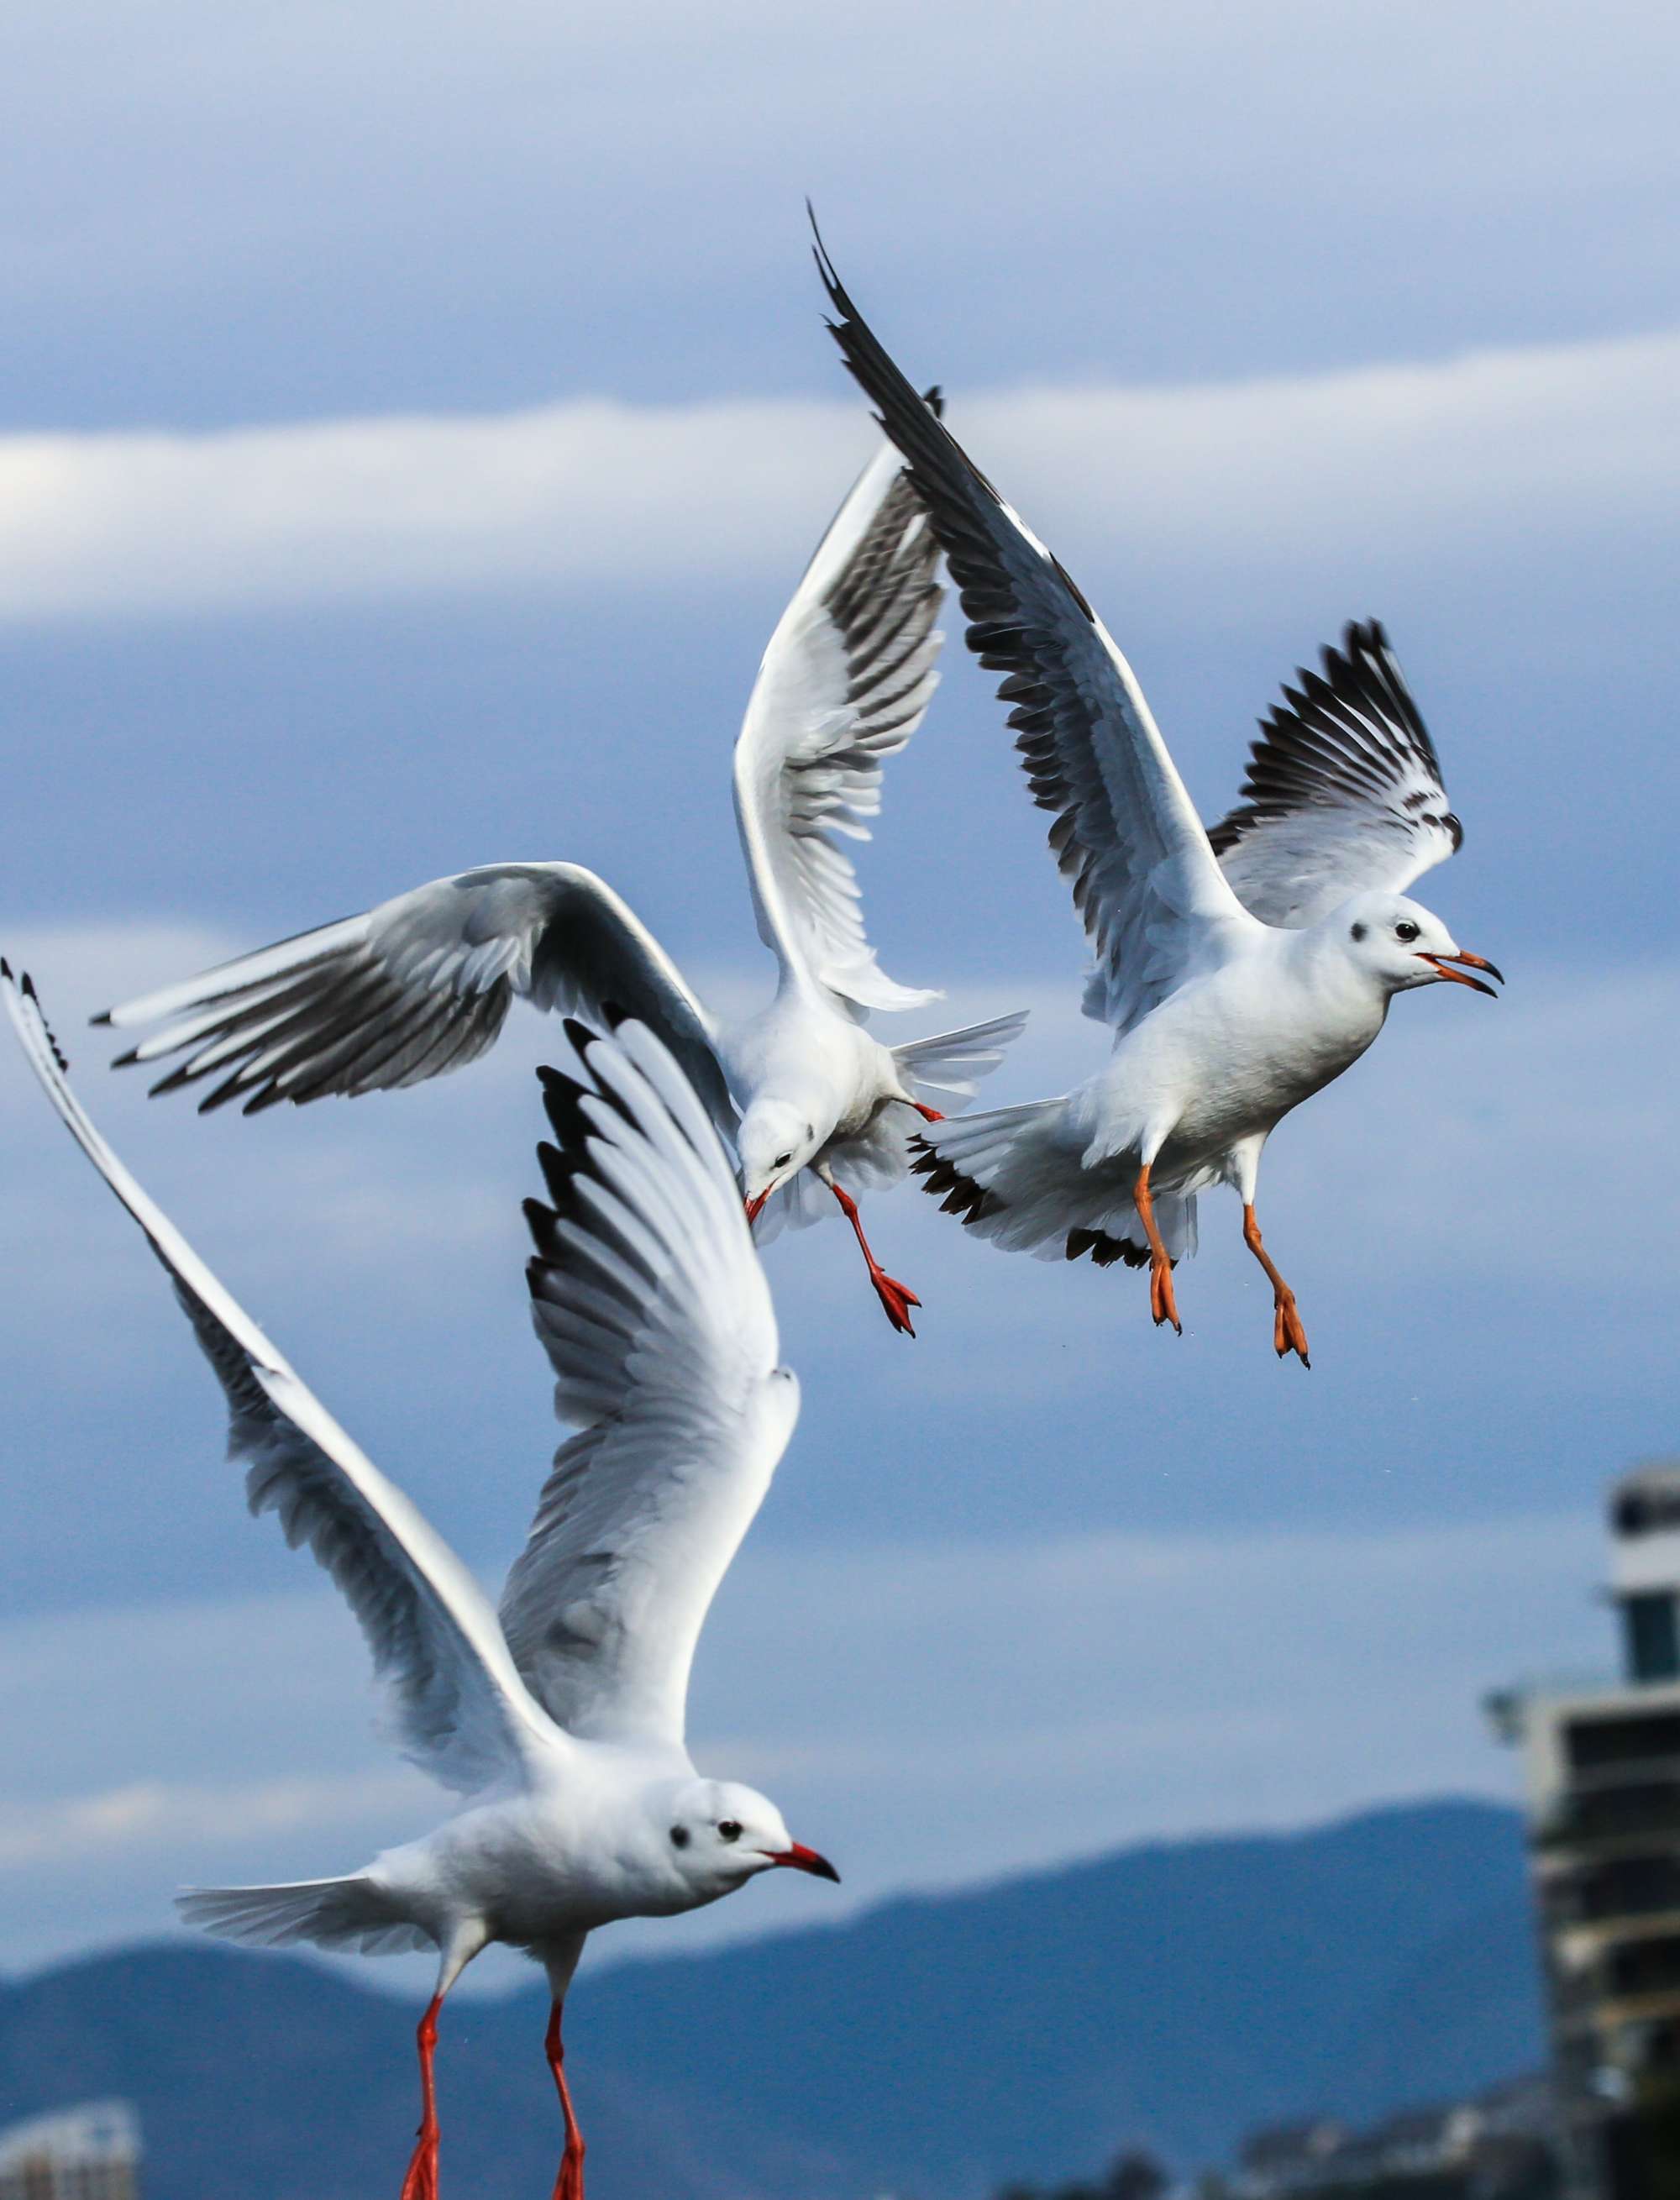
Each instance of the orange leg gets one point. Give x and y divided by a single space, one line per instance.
569 2186
927 1114
421 2182
896 1298
1162 1305
1287 1334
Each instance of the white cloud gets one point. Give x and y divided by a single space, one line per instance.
928 1715
1465 455
153 1814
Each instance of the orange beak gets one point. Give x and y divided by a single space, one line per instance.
801 1858
1458 977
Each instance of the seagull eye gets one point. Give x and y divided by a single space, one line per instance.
781 1161
679 1837
728 1830
1407 930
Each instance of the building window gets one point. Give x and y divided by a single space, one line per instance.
1652 1639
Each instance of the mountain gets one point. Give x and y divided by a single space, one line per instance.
1172 1995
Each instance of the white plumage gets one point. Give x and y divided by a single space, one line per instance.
423 983
561 1715
1240 972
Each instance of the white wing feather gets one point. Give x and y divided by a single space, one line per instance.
845 682
419 986
461 1708
1343 791
1156 908
649 1300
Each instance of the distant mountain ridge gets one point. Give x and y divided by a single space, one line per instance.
1174 1995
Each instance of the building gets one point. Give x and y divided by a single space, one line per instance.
91 2152
1497 2145
1602 1764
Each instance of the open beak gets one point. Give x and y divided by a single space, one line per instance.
1458 977
755 1207
801 1858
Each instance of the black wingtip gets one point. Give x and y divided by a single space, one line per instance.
26 986
933 399
613 1016
825 265
5 968
103 1017
580 1035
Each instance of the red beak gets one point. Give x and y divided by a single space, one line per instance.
756 1207
801 1858
1476 963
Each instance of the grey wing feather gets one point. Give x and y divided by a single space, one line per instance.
648 1298
459 1706
417 986
1343 790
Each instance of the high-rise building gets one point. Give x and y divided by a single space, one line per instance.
1603 1760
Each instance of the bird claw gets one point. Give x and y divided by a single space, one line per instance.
1287 1334
896 1298
1163 1306
421 2182
570 2183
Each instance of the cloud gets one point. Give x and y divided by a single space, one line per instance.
153 1815
1469 455
930 1715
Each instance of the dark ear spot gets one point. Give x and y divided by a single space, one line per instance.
679 1837
1359 932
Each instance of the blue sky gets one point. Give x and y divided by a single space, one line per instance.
409 433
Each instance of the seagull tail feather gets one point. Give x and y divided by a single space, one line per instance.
354 1913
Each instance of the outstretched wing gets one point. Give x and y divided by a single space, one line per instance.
461 1710
650 1303
845 682
1343 790
419 986
1154 905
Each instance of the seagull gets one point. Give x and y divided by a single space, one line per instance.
560 1716
423 983
1241 971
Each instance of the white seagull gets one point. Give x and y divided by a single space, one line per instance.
561 1715
423 983
1241 972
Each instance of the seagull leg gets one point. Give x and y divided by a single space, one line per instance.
896 1298
1162 1305
1287 1334
421 2182
569 2186
927 1114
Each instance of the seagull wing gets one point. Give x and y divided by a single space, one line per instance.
648 1298
419 986
845 682
1154 905
1343 790
461 1710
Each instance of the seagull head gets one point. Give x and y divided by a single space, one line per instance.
776 1140
1401 944
720 1834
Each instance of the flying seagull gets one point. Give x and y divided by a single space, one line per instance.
560 1715
815 1105
1242 970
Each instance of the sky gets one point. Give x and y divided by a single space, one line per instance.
411 425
